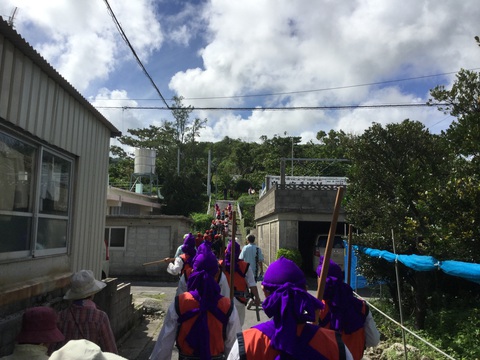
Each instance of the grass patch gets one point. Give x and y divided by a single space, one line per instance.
455 330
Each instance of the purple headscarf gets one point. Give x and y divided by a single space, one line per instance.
189 246
289 304
228 255
345 310
203 287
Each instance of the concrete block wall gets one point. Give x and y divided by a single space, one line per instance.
116 300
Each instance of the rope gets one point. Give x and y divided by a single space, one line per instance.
406 329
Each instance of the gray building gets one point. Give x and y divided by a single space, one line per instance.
54 148
293 211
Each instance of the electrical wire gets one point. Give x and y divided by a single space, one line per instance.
124 37
313 90
287 108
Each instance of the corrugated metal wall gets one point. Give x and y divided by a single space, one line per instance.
34 100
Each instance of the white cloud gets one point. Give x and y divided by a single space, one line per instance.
253 47
79 38
279 46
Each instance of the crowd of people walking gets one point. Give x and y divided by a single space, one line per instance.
206 318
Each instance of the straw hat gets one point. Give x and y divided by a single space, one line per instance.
39 325
83 350
83 285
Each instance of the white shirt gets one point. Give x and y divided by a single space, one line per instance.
166 339
176 267
28 351
372 336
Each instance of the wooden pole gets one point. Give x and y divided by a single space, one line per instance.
349 255
397 276
328 251
155 262
232 256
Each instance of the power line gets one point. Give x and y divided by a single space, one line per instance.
124 37
326 89
287 108
314 90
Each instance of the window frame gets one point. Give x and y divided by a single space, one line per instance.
116 248
33 212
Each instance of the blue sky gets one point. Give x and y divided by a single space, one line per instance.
298 53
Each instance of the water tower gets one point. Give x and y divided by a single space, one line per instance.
144 178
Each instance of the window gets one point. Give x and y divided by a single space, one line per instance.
116 237
35 197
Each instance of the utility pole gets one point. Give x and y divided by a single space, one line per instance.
292 155
209 175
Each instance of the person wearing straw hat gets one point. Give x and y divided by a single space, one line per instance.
201 321
346 314
39 330
289 333
82 319
83 350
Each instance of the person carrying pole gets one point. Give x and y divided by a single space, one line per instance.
243 279
346 314
289 334
201 321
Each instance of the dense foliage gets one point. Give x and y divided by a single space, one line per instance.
291 254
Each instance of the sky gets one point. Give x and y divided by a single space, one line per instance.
255 54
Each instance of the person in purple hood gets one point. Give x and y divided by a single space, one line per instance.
345 313
289 334
201 321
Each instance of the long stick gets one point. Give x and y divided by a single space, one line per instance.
349 255
232 256
397 276
155 262
328 251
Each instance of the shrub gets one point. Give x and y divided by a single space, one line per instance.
201 222
291 254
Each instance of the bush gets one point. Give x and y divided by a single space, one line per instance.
291 254
201 222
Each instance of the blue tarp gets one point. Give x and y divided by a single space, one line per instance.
468 271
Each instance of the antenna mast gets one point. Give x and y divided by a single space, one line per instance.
11 18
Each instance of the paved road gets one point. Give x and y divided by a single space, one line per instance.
139 344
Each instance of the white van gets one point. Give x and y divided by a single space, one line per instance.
338 250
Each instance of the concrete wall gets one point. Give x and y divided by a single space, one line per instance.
116 300
149 238
279 211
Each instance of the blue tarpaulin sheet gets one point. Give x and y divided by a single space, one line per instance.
468 271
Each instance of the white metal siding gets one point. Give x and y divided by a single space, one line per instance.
37 103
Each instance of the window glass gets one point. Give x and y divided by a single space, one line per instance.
17 161
15 232
35 192
54 185
51 233
117 237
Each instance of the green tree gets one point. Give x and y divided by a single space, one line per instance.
455 203
462 101
169 140
390 168
120 168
